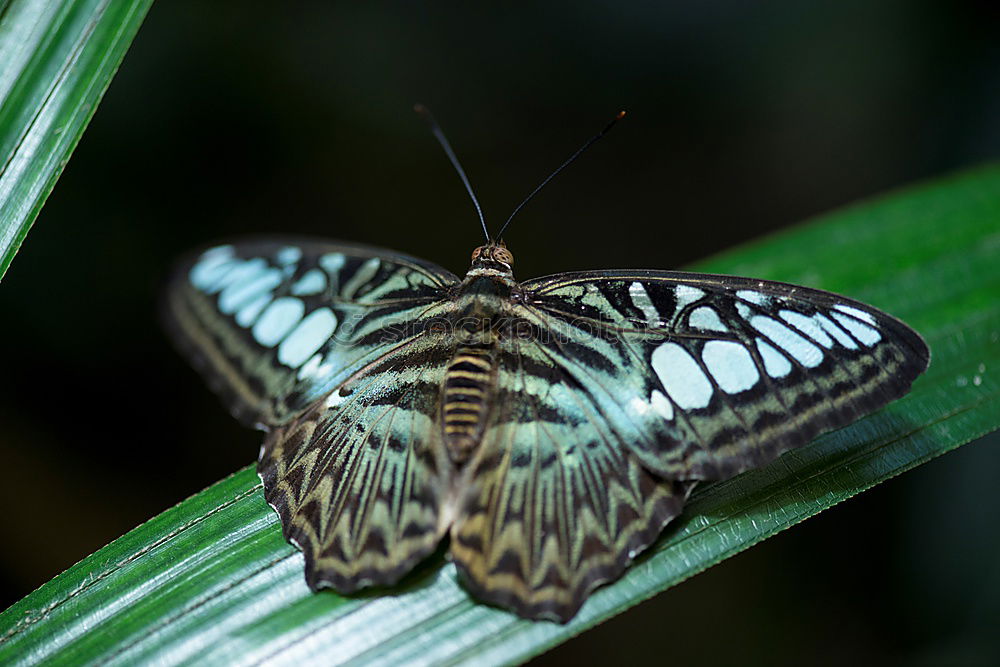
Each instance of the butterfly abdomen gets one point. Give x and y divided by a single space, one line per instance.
467 392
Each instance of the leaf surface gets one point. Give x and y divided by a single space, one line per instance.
212 579
57 58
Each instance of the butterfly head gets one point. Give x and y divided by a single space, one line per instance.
492 258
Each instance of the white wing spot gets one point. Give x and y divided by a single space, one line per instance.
855 312
279 318
334 399
314 367
661 404
704 317
801 349
288 254
864 333
211 266
639 406
775 363
248 313
305 340
839 334
640 299
239 273
686 295
255 285
333 263
731 365
753 297
310 367
808 326
312 281
681 376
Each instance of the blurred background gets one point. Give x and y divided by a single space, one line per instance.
230 118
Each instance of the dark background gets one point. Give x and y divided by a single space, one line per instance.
230 118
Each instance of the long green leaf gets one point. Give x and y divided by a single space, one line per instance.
212 579
56 60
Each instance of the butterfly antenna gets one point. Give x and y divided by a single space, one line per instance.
574 156
439 135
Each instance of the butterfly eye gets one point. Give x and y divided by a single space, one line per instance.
503 255
476 253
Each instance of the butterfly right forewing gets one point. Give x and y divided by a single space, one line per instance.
708 375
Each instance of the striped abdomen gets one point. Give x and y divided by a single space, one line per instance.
468 389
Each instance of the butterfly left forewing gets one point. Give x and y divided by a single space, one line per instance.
708 375
275 324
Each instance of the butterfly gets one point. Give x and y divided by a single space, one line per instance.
550 429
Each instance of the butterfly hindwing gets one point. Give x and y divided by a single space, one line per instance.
276 324
360 479
706 376
553 503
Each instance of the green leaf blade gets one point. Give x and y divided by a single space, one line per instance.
58 59
213 580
